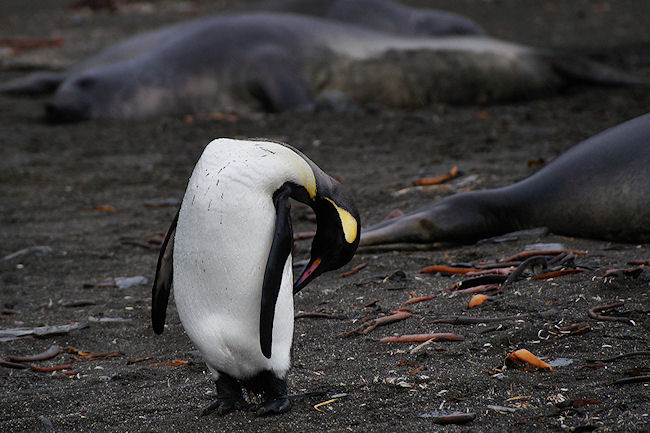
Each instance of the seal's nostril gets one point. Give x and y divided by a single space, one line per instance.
58 112
51 112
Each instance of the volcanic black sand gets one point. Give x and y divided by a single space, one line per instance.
92 192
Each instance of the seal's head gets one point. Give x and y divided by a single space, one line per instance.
90 94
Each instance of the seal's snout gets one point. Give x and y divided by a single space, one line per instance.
60 113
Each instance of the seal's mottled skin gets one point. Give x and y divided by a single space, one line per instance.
599 188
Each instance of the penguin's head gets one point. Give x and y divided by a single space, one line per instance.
337 233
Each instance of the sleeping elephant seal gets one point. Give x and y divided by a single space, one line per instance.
599 188
381 15
278 62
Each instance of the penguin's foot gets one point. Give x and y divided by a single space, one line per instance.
229 396
223 406
272 406
273 388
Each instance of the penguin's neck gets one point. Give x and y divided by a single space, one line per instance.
263 166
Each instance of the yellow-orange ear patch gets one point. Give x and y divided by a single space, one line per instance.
348 223
310 184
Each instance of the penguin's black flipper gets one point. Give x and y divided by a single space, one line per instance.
162 283
280 250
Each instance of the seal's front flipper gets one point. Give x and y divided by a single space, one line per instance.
273 78
38 83
464 217
575 68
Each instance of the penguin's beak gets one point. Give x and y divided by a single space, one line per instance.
307 275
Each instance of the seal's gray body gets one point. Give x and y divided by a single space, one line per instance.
599 188
385 16
279 62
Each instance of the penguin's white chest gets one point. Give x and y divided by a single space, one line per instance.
223 238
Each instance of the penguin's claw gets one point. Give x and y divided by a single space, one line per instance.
223 406
272 407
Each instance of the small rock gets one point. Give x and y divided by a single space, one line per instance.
46 422
38 250
560 362
128 282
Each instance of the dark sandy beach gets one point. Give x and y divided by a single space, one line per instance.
95 194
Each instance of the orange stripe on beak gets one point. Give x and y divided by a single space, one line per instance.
310 270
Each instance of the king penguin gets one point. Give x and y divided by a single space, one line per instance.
228 256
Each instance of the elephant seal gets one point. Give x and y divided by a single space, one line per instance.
277 62
600 188
381 15
386 16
